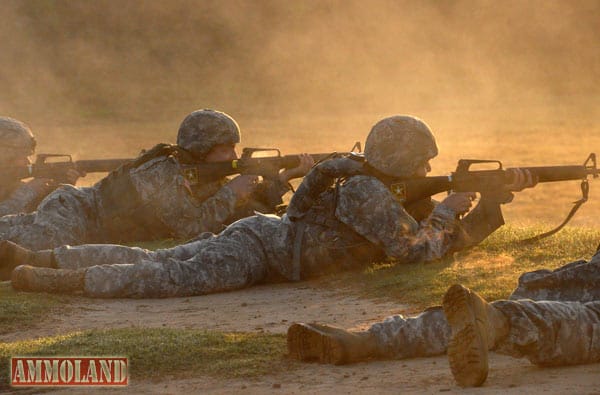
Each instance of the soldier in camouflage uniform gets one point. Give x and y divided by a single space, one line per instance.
151 198
16 145
341 216
552 318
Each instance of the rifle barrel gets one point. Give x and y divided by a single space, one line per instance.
560 173
257 166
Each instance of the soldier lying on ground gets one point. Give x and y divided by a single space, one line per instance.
16 145
341 216
552 318
150 198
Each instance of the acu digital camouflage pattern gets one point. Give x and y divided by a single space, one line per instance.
397 145
560 325
551 333
365 224
16 140
18 197
578 281
203 129
15 135
157 203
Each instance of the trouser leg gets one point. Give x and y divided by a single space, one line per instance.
88 255
424 335
577 281
551 333
232 260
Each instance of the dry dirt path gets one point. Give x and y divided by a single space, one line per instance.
271 309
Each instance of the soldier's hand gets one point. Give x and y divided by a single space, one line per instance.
522 178
459 202
73 175
243 185
306 163
41 186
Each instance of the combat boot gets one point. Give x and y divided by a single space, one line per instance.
476 327
43 279
328 344
13 255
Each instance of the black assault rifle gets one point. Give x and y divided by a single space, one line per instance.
488 181
484 181
57 170
267 167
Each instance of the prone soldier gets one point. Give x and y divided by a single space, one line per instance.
341 216
150 198
16 145
552 318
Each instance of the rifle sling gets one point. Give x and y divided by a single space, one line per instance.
584 191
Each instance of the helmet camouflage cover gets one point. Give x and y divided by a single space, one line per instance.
15 135
201 130
398 145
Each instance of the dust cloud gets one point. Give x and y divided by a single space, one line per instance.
511 80
139 58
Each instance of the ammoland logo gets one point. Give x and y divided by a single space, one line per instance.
68 371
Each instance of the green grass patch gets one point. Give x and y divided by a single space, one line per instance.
19 310
491 268
156 353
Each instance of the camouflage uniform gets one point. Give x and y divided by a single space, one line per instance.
577 281
341 216
16 196
150 199
261 248
560 325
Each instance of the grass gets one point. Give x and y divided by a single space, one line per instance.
156 353
491 269
20 310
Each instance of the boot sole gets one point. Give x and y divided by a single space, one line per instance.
309 344
467 348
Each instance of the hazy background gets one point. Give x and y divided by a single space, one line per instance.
510 80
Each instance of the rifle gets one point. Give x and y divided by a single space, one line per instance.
57 171
489 181
267 167
484 181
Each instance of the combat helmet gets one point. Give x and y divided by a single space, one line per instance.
397 145
15 135
203 129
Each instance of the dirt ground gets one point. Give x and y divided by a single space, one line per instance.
271 309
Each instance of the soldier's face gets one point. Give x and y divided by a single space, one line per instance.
221 153
14 158
423 169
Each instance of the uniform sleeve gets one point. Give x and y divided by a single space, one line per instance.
22 200
161 185
368 207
